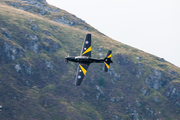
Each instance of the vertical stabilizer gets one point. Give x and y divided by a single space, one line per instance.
107 61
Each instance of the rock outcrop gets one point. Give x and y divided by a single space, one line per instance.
6 34
64 21
155 80
12 52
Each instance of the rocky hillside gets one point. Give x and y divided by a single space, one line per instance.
36 84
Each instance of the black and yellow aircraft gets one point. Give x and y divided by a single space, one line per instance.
85 60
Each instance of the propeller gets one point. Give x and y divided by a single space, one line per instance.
65 60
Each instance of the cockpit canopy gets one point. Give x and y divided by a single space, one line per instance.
82 57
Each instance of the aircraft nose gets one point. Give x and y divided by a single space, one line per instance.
66 59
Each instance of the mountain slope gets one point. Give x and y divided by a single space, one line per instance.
35 83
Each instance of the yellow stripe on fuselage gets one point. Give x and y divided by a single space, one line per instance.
106 65
84 70
88 50
109 56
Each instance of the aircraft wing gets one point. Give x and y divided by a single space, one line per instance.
81 72
86 49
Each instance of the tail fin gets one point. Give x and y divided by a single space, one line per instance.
107 61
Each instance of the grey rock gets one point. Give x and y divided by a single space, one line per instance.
140 65
111 71
33 45
64 21
53 46
150 112
46 33
15 4
115 117
144 91
148 82
6 34
27 8
51 9
42 1
116 76
155 81
36 3
140 70
101 55
156 99
99 89
32 37
54 28
42 12
40 4
30 21
167 94
122 98
172 72
99 50
113 81
135 115
12 52
17 67
85 28
157 73
138 58
34 27
162 60
27 83
100 94
156 84
48 64
21 8
80 20
173 92
112 99
28 69
178 104
84 95
117 100
92 81
159 59
138 103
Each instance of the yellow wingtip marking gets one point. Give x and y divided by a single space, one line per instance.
88 50
109 56
84 70
106 65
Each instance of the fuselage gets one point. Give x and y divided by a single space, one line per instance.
84 59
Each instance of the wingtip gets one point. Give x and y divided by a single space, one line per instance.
88 34
77 84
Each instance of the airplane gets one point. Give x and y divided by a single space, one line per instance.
85 60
